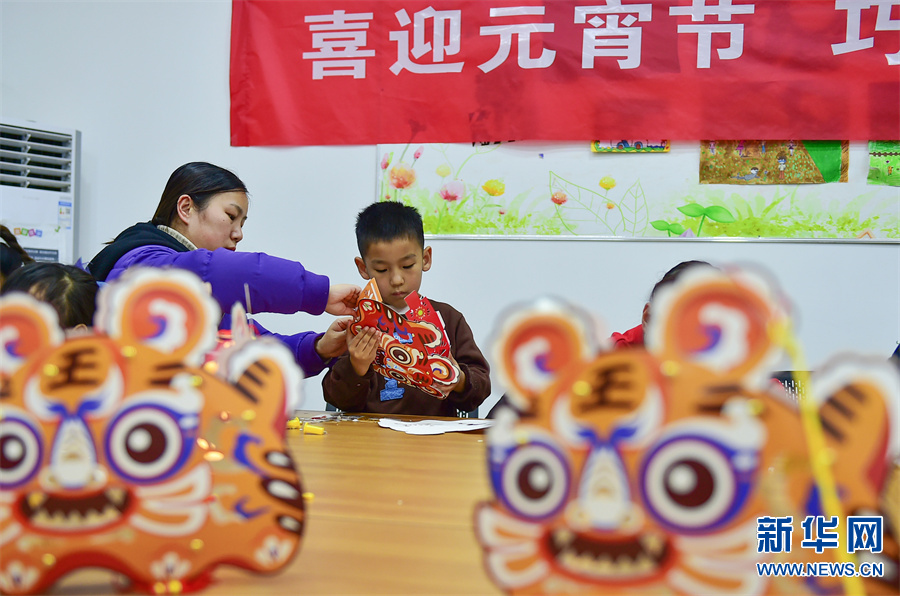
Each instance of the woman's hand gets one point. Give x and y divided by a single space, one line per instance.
342 299
363 346
334 342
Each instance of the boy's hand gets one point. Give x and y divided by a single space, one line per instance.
342 299
334 342
461 383
362 347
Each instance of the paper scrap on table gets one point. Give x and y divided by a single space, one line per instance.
434 427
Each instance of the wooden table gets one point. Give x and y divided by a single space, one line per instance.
391 514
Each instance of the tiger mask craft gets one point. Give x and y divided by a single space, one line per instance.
121 450
413 348
646 470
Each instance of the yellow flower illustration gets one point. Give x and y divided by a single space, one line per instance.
607 182
494 187
443 170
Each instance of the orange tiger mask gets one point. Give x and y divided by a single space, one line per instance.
120 450
644 470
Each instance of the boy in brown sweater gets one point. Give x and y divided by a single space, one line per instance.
392 250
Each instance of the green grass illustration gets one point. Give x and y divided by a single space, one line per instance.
479 204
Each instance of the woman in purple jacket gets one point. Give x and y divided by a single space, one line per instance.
197 227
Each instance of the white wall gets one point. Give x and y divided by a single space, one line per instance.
147 84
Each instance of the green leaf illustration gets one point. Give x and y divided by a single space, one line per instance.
584 207
669 228
692 210
719 214
635 211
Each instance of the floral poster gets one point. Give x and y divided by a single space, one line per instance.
566 190
773 162
884 163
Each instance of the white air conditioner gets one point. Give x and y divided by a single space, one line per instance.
39 187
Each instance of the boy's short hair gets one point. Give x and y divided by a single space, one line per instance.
386 221
674 273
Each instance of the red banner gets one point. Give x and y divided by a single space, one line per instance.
349 72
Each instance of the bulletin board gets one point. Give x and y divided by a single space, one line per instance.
787 189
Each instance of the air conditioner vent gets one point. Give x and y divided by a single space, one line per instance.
38 159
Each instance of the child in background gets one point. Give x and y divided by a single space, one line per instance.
12 256
71 291
392 251
634 337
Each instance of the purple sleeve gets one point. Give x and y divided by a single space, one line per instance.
276 285
303 346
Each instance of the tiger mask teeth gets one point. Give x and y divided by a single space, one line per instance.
633 559
71 514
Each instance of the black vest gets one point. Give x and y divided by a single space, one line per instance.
142 234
